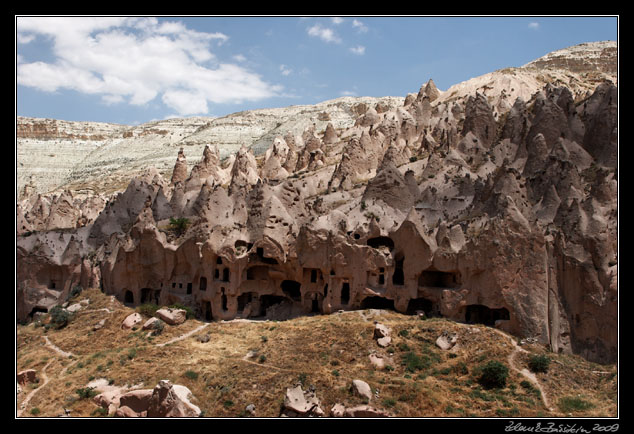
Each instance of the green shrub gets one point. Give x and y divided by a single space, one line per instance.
147 309
59 316
77 289
192 375
539 363
494 375
179 225
262 358
86 392
35 411
413 362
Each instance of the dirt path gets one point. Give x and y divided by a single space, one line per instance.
25 403
57 349
186 335
524 372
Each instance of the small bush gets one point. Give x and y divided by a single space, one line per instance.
192 375
494 375
539 363
413 362
262 358
86 392
147 309
59 316
77 289
404 333
335 373
179 225
101 411
35 411
413 159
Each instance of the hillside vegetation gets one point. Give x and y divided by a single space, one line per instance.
254 362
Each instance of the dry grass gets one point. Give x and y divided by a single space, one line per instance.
325 351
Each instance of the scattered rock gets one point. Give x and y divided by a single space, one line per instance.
377 361
300 403
250 409
338 410
365 411
27 376
172 316
203 339
101 324
170 400
446 341
151 324
131 321
362 389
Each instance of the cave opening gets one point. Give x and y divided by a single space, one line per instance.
189 288
377 242
345 293
480 314
377 303
128 297
267 301
398 278
292 289
439 279
418 304
202 286
146 295
208 311
36 310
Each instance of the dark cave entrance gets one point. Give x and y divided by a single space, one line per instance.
439 279
377 242
345 293
36 310
377 303
128 297
480 314
292 289
418 304
267 301
208 312
398 278
202 286
146 295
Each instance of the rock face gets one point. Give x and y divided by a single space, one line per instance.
494 202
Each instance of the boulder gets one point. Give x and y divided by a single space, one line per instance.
446 341
27 376
384 342
125 411
172 316
170 400
365 411
131 321
137 400
300 403
338 410
377 361
381 331
362 389
151 324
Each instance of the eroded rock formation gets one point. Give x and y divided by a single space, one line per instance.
502 214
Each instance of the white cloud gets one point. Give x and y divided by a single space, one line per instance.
336 20
134 60
324 33
348 93
285 70
239 58
533 26
359 50
361 28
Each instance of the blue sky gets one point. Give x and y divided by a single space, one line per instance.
131 70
